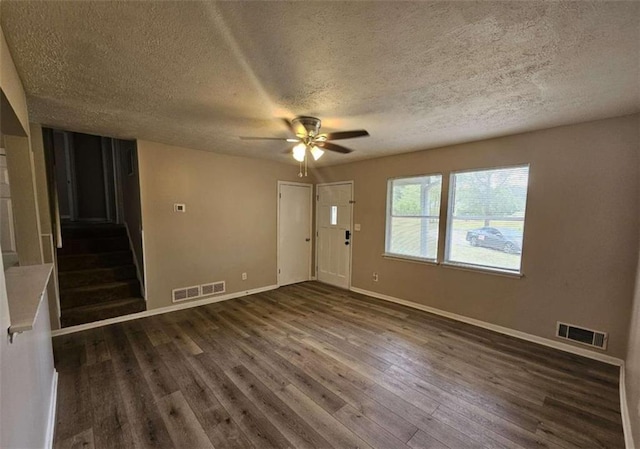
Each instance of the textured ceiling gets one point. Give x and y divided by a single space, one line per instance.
415 75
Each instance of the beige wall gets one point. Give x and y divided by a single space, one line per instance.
581 232
229 226
11 85
130 186
632 365
20 165
26 366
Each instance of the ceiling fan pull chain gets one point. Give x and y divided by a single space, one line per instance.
300 173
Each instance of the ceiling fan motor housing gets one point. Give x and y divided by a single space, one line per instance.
311 124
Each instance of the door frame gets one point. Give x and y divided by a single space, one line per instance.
352 202
278 197
69 162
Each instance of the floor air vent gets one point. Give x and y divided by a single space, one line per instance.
183 294
213 289
588 337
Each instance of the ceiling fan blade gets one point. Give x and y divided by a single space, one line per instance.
285 139
333 147
347 134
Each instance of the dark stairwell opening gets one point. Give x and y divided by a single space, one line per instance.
97 210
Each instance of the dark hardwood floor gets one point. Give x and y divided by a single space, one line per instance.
309 365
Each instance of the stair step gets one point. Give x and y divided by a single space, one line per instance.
90 245
93 231
94 276
102 311
94 294
97 260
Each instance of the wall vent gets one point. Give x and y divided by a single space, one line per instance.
183 294
214 288
582 335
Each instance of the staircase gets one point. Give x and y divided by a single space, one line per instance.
96 274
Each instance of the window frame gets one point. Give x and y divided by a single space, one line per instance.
389 216
449 221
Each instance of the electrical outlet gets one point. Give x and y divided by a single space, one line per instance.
244 276
375 277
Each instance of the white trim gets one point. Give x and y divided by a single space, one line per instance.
500 329
351 202
411 259
51 421
624 411
144 257
482 269
161 310
135 262
278 198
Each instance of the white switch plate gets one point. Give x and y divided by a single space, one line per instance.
179 207
356 227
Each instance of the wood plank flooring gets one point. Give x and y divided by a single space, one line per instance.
309 366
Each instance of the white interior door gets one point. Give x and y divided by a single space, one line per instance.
333 215
294 232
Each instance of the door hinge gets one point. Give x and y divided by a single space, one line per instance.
278 270
279 195
352 201
317 197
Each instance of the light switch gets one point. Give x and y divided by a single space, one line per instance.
356 227
177 207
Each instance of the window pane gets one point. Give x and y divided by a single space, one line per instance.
416 237
334 215
412 216
487 218
416 196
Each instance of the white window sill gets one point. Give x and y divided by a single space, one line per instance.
487 270
402 258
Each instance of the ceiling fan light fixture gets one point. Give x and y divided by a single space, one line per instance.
299 152
293 140
316 153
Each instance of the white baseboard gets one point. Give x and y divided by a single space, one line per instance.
624 411
135 262
161 310
494 327
51 422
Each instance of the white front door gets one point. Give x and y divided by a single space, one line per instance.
294 232
334 233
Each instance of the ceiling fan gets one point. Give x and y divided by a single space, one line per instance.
308 138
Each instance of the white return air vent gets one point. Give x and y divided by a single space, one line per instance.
582 335
183 294
214 288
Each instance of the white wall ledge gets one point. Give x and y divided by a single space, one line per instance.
26 287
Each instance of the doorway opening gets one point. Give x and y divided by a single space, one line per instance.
96 202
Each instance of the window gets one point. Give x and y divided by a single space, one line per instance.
486 218
413 212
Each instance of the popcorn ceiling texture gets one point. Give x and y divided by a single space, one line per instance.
416 75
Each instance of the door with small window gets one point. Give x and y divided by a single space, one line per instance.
334 217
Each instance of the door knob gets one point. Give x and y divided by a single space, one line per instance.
307 240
